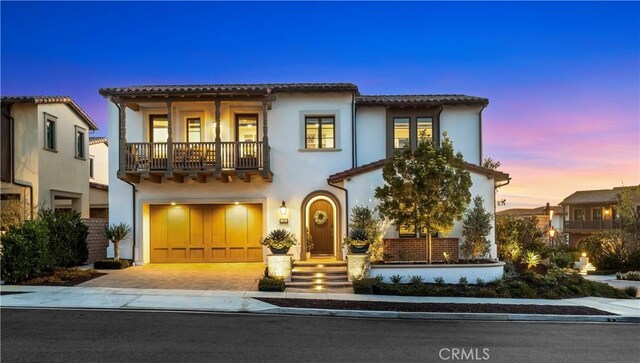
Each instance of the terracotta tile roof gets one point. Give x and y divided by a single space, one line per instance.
420 100
98 140
602 196
525 212
53 99
98 186
337 177
255 88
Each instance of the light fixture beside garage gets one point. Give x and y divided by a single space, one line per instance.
283 213
173 203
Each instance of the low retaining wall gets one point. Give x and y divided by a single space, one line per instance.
450 273
415 249
96 240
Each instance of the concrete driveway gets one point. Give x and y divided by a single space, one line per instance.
189 276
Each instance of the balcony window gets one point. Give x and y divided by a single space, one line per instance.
193 129
320 132
247 127
159 128
596 214
578 215
401 132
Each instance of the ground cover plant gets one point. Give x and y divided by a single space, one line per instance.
63 277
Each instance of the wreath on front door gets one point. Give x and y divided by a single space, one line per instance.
320 217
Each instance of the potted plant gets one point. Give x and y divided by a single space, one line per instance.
279 241
358 240
116 233
309 239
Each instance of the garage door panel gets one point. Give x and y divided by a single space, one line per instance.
206 233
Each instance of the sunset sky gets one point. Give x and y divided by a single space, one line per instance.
563 79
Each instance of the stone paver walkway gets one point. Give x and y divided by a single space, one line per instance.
189 276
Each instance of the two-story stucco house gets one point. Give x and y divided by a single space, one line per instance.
45 160
203 172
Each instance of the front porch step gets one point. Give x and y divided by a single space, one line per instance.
322 285
312 263
317 277
323 270
319 274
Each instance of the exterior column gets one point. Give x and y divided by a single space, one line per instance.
218 166
266 158
122 146
170 135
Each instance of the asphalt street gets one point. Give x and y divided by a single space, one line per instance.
133 336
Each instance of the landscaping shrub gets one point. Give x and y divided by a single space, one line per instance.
562 259
25 252
271 284
364 286
515 235
67 237
110 264
64 277
631 291
632 276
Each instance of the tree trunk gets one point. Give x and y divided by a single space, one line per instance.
428 246
116 250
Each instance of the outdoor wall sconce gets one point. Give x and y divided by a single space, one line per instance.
283 213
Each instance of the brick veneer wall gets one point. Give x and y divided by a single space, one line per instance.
96 241
415 249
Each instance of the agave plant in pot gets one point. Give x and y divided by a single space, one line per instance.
357 240
279 241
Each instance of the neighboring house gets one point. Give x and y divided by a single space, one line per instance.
589 211
45 162
98 177
203 172
541 215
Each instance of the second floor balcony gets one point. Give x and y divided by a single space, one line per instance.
591 225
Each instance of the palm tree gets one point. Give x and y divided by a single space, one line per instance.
116 233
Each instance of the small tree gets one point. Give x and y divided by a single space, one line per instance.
116 233
475 230
364 218
425 188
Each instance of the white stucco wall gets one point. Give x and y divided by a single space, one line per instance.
297 172
462 124
100 154
27 146
370 134
362 188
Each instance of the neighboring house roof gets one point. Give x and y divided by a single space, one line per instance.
53 99
526 212
337 177
251 88
602 196
420 100
98 140
98 186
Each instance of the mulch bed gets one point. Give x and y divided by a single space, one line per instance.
434 307
68 280
13 292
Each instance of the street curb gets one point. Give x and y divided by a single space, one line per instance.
451 316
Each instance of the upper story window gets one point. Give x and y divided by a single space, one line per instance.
320 132
158 128
91 175
193 129
80 143
50 132
246 127
424 128
596 214
401 132
578 215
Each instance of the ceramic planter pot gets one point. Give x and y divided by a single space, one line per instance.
359 248
279 251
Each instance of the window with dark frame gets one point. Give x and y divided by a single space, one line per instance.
596 214
91 168
80 147
401 132
320 132
578 215
158 128
193 129
50 134
412 231
425 128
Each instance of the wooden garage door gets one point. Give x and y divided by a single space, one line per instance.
206 233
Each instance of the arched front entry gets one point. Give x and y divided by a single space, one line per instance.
321 216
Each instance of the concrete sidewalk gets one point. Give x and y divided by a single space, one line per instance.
243 301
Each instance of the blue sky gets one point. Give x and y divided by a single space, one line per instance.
563 79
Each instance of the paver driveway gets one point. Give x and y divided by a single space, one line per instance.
189 276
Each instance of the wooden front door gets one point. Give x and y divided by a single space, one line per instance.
321 227
206 233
